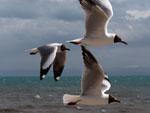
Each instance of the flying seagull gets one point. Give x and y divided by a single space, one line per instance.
54 53
94 84
98 14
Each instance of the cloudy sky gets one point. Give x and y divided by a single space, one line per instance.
26 24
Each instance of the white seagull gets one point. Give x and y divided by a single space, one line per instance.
54 53
94 84
98 14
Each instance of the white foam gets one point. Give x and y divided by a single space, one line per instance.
79 108
50 95
37 96
103 111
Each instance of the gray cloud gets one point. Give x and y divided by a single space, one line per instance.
134 66
136 14
118 1
30 23
29 9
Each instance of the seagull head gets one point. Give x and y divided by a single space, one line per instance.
64 48
113 99
118 39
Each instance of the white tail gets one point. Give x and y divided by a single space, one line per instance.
70 99
34 51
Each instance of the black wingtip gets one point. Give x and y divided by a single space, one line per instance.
88 53
57 73
42 77
43 72
83 51
83 48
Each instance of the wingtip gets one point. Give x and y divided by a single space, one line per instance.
83 48
57 78
42 77
33 51
87 53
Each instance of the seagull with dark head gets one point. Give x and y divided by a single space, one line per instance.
94 84
98 13
51 54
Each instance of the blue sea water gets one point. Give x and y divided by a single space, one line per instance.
27 94
132 81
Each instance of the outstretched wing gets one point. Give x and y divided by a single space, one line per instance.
98 14
105 84
48 54
93 74
58 64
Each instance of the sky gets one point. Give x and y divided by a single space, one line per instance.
25 24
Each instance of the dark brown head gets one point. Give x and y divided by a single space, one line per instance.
89 1
117 39
113 99
64 48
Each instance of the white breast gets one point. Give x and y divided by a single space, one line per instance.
97 41
93 100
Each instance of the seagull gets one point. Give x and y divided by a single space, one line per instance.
54 53
98 14
94 84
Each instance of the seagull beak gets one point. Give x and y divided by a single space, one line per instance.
124 42
67 49
118 101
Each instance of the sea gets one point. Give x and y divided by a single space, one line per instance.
27 94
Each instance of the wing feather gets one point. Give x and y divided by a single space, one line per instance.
98 14
48 54
93 74
58 64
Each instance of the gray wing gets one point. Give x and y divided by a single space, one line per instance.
58 64
93 75
98 14
48 54
105 6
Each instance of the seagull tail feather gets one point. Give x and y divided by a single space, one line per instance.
70 99
76 41
34 51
